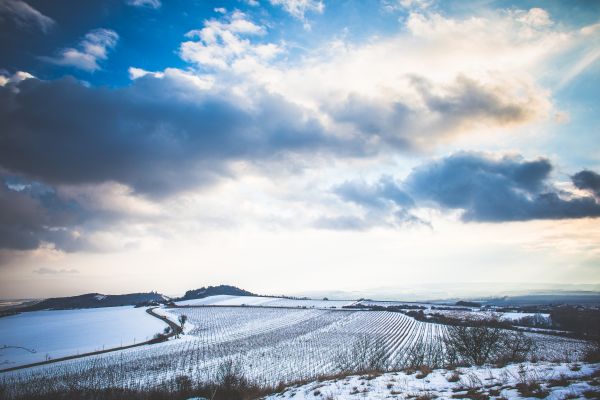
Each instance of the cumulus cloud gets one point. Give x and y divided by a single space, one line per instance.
25 16
158 136
223 42
145 3
92 49
481 187
496 190
436 112
587 180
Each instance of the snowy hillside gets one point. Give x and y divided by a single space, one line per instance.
542 380
271 344
227 300
38 335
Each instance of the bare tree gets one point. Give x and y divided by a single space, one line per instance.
182 320
480 343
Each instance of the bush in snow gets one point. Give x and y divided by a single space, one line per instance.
479 343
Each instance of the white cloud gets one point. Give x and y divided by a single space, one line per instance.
299 8
91 49
145 3
393 86
497 59
25 16
535 17
14 78
135 73
396 5
221 43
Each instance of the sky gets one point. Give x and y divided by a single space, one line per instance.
295 146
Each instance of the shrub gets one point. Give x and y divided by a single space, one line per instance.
424 370
479 343
454 377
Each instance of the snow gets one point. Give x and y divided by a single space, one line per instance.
513 316
401 385
187 327
274 344
259 301
63 333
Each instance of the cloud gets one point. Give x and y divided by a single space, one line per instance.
53 271
438 112
145 3
496 189
299 8
587 180
396 5
68 218
481 187
376 195
25 16
32 214
382 203
92 49
157 136
239 105
222 43
15 78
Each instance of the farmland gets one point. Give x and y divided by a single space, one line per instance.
41 335
283 342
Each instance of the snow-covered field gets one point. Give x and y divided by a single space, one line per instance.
556 381
52 334
226 300
272 344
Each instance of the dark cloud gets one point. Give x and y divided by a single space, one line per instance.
160 136
587 180
467 99
32 213
485 189
436 112
157 136
23 16
496 190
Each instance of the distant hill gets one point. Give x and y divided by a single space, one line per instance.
572 298
214 291
94 300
